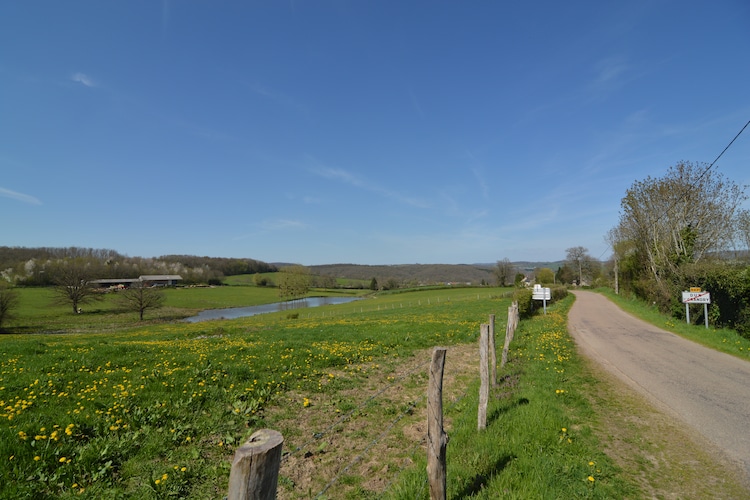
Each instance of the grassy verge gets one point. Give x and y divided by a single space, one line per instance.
539 441
720 339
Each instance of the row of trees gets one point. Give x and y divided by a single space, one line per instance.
687 228
40 266
73 287
578 268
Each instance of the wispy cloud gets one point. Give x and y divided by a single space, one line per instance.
483 186
610 71
278 97
282 224
25 198
83 79
352 179
611 74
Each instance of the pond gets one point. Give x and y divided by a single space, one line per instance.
241 312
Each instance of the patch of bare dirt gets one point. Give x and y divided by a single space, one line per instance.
361 438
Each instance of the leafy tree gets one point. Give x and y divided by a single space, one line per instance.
391 284
294 282
565 274
672 226
9 300
73 285
140 297
324 281
503 272
518 279
679 218
544 275
373 283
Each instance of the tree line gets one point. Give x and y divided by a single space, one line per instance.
40 266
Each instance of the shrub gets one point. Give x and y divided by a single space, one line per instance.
558 293
525 301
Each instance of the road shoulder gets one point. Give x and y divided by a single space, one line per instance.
654 450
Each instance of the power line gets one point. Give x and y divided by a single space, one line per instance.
692 185
724 151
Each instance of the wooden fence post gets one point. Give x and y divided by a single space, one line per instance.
255 468
510 328
437 439
484 387
493 352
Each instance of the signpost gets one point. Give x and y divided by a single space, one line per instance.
540 293
696 296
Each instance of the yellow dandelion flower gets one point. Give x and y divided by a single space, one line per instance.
37 458
591 479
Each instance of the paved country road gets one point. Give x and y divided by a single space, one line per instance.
707 390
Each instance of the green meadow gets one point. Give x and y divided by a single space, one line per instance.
114 408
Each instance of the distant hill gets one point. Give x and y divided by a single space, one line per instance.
425 274
524 265
406 274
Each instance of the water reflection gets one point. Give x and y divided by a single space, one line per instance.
241 312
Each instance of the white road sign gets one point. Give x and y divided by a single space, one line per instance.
696 298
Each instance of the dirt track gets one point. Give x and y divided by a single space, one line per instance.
707 390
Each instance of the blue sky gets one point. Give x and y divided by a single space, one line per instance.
369 132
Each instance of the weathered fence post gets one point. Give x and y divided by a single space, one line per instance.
437 439
510 330
255 468
493 352
484 387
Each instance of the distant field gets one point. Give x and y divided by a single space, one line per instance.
249 280
38 312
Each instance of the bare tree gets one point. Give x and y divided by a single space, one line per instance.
579 259
140 297
743 229
504 272
9 301
73 285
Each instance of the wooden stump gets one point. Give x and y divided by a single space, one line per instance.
255 468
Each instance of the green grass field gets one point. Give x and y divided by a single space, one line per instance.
38 311
156 410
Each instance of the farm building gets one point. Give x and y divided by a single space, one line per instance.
151 279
